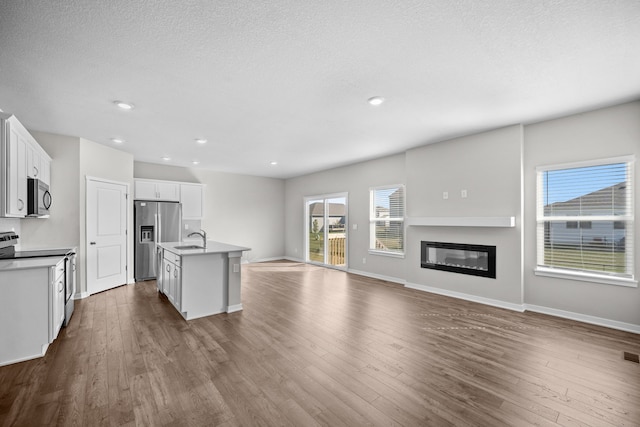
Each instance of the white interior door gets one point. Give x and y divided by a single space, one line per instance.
106 235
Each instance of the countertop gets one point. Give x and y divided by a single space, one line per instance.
212 248
21 264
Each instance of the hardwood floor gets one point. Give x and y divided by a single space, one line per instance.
321 347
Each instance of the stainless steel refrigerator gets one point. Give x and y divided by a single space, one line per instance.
155 222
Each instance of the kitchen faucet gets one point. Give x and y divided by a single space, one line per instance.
202 234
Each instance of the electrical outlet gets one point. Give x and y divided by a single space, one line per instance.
445 195
355 226
463 194
236 268
186 226
364 260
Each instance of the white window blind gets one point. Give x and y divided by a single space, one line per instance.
585 218
386 219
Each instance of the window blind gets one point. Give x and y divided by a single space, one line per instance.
585 217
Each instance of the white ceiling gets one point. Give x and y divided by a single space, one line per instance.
288 80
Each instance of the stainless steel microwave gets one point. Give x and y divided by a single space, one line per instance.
38 198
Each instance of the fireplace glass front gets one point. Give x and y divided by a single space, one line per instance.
477 260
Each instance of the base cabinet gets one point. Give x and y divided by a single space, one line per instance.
31 311
56 300
172 279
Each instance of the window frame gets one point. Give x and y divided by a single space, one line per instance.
373 220
578 274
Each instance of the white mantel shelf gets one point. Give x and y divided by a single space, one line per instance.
467 221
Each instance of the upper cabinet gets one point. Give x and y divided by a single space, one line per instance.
148 189
20 158
190 195
192 199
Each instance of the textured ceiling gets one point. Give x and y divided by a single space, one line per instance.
288 80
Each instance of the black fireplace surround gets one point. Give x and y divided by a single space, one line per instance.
476 260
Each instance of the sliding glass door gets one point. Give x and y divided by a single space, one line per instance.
326 230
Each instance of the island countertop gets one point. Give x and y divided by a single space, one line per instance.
213 247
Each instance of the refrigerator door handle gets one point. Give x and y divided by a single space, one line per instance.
157 228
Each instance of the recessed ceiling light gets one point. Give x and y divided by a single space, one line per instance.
123 105
117 140
375 100
166 158
273 163
201 141
195 162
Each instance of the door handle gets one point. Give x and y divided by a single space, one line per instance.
92 243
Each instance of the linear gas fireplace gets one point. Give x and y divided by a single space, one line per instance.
477 260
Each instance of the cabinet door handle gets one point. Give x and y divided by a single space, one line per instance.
175 273
35 171
92 243
21 204
60 286
168 268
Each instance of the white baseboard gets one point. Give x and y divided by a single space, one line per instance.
378 276
277 258
468 297
234 308
613 324
25 358
80 295
293 259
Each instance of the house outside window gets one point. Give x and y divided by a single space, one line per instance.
386 220
585 221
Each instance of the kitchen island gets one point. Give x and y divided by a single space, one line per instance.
201 281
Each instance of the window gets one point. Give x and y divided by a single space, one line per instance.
585 221
386 220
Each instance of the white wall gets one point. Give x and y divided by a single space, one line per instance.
599 134
239 209
356 180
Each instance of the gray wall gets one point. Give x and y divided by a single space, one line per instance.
488 166
62 228
355 180
100 161
239 209
608 132
497 169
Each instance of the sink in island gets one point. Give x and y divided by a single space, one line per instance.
200 281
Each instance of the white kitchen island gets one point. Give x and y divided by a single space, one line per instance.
201 282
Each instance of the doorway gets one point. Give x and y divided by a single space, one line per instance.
106 245
326 230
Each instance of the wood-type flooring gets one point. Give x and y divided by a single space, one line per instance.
321 347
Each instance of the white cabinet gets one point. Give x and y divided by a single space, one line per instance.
156 190
172 278
15 197
20 157
192 199
56 299
38 164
